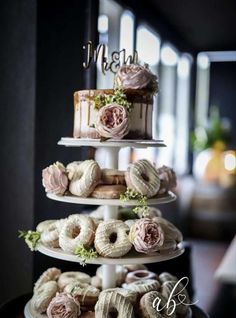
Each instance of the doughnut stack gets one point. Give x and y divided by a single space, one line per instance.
75 294
87 179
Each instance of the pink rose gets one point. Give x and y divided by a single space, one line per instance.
146 235
55 179
112 121
63 305
136 77
168 179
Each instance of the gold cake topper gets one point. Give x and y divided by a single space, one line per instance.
118 58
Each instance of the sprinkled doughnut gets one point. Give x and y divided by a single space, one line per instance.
138 275
111 239
151 304
43 295
85 294
77 230
121 273
67 278
50 274
63 306
113 303
135 267
142 177
83 176
131 295
143 286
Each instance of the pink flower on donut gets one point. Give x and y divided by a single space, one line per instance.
63 305
168 179
55 179
112 121
146 235
135 77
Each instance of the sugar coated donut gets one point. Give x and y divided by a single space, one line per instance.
67 278
113 176
113 303
143 286
135 267
111 239
83 176
77 230
131 295
142 177
52 273
108 191
138 275
43 295
63 306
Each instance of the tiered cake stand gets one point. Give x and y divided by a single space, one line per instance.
111 155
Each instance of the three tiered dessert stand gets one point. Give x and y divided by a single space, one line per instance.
111 155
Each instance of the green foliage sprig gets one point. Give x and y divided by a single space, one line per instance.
141 199
85 254
31 238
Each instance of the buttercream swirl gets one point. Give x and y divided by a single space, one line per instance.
146 235
113 121
63 305
168 179
135 76
54 178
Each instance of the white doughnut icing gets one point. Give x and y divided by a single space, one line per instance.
43 296
52 273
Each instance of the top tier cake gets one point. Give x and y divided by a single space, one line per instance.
122 112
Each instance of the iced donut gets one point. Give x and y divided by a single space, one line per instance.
42 226
52 273
67 278
138 275
85 294
113 303
142 177
50 236
43 296
83 176
113 176
111 239
135 267
143 286
121 273
129 294
63 306
165 277
108 191
77 230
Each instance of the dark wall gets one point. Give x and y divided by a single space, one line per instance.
17 113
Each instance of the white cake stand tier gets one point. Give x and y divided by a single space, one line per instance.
130 258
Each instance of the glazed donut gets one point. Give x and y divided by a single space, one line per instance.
67 278
85 294
43 295
63 305
142 177
50 236
135 267
129 294
170 230
52 273
143 286
138 275
121 273
111 239
113 176
108 191
151 304
83 176
42 226
113 303
77 230
165 277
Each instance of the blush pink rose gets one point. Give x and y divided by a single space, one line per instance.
146 235
112 121
168 179
63 305
55 179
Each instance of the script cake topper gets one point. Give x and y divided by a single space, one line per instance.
118 58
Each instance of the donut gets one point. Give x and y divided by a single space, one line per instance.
108 191
43 295
67 278
130 222
142 177
113 176
50 236
165 277
121 273
170 230
42 226
112 303
52 273
138 275
85 294
77 230
129 294
63 305
83 176
96 282
135 267
111 239
143 286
